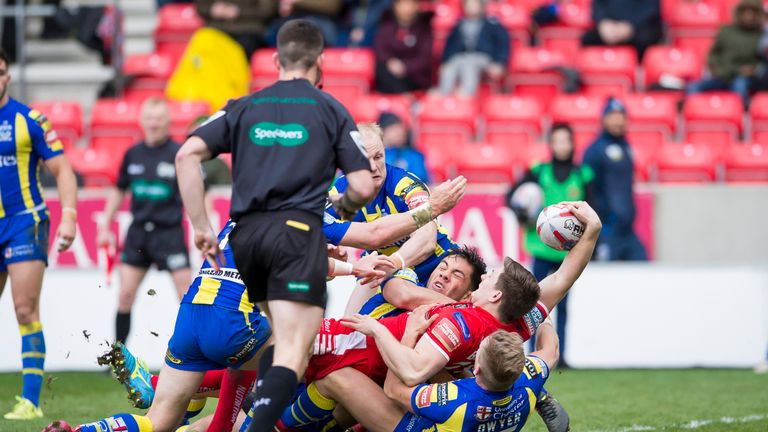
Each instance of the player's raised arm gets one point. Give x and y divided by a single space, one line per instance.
547 344
555 286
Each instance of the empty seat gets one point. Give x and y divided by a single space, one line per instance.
66 119
693 25
607 70
446 16
565 36
99 167
175 25
758 111
447 117
485 163
349 67
512 120
687 162
671 63
583 113
532 73
115 124
368 108
652 118
515 18
714 117
746 163
149 74
184 115
263 70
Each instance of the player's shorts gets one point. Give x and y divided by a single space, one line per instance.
147 244
23 239
281 255
210 337
337 346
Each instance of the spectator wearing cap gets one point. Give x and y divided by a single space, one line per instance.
477 45
734 56
610 158
399 152
403 48
625 22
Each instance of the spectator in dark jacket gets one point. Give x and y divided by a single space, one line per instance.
734 56
625 22
403 48
477 45
611 160
244 20
397 141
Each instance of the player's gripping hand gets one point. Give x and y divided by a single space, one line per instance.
363 323
419 320
587 215
66 232
446 195
342 208
337 252
373 267
208 244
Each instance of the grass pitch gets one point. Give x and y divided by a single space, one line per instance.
607 401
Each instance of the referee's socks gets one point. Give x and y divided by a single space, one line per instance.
272 396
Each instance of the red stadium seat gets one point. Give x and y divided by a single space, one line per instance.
368 108
746 163
652 118
714 117
98 167
348 73
583 113
514 121
66 119
515 18
263 70
693 24
607 70
665 61
175 25
758 112
115 124
643 155
687 163
575 18
446 16
485 163
438 150
184 115
446 117
532 73
149 74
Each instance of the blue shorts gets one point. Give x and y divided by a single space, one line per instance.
23 239
210 337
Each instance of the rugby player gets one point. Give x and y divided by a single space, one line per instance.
217 327
451 341
26 140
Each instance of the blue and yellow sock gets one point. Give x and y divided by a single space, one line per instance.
32 360
309 407
119 422
194 408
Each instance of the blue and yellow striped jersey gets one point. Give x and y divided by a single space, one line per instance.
463 406
377 306
26 139
401 192
223 288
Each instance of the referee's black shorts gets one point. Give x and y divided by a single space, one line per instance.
282 255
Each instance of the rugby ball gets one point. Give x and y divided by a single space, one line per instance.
558 228
527 199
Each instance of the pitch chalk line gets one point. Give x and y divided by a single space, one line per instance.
689 425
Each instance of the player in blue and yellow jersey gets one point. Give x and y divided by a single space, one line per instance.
26 140
500 397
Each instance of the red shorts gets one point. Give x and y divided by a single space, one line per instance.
338 346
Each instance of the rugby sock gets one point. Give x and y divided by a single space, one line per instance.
309 407
265 362
153 381
194 408
211 380
274 394
32 360
234 388
119 423
122 326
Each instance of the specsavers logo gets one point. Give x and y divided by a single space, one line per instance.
287 135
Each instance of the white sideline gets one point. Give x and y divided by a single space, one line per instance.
692 424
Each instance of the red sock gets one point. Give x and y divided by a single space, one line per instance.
234 389
153 380
211 381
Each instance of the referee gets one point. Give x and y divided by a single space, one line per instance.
287 141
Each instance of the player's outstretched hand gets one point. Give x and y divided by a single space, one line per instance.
208 244
419 320
372 267
362 323
586 214
446 195
337 252
66 234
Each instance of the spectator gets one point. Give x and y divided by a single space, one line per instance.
625 22
611 160
397 141
323 13
403 47
734 56
478 44
243 20
560 180
363 17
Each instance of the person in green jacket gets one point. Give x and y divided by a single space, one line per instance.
734 56
560 180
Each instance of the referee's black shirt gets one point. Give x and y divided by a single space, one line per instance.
286 142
